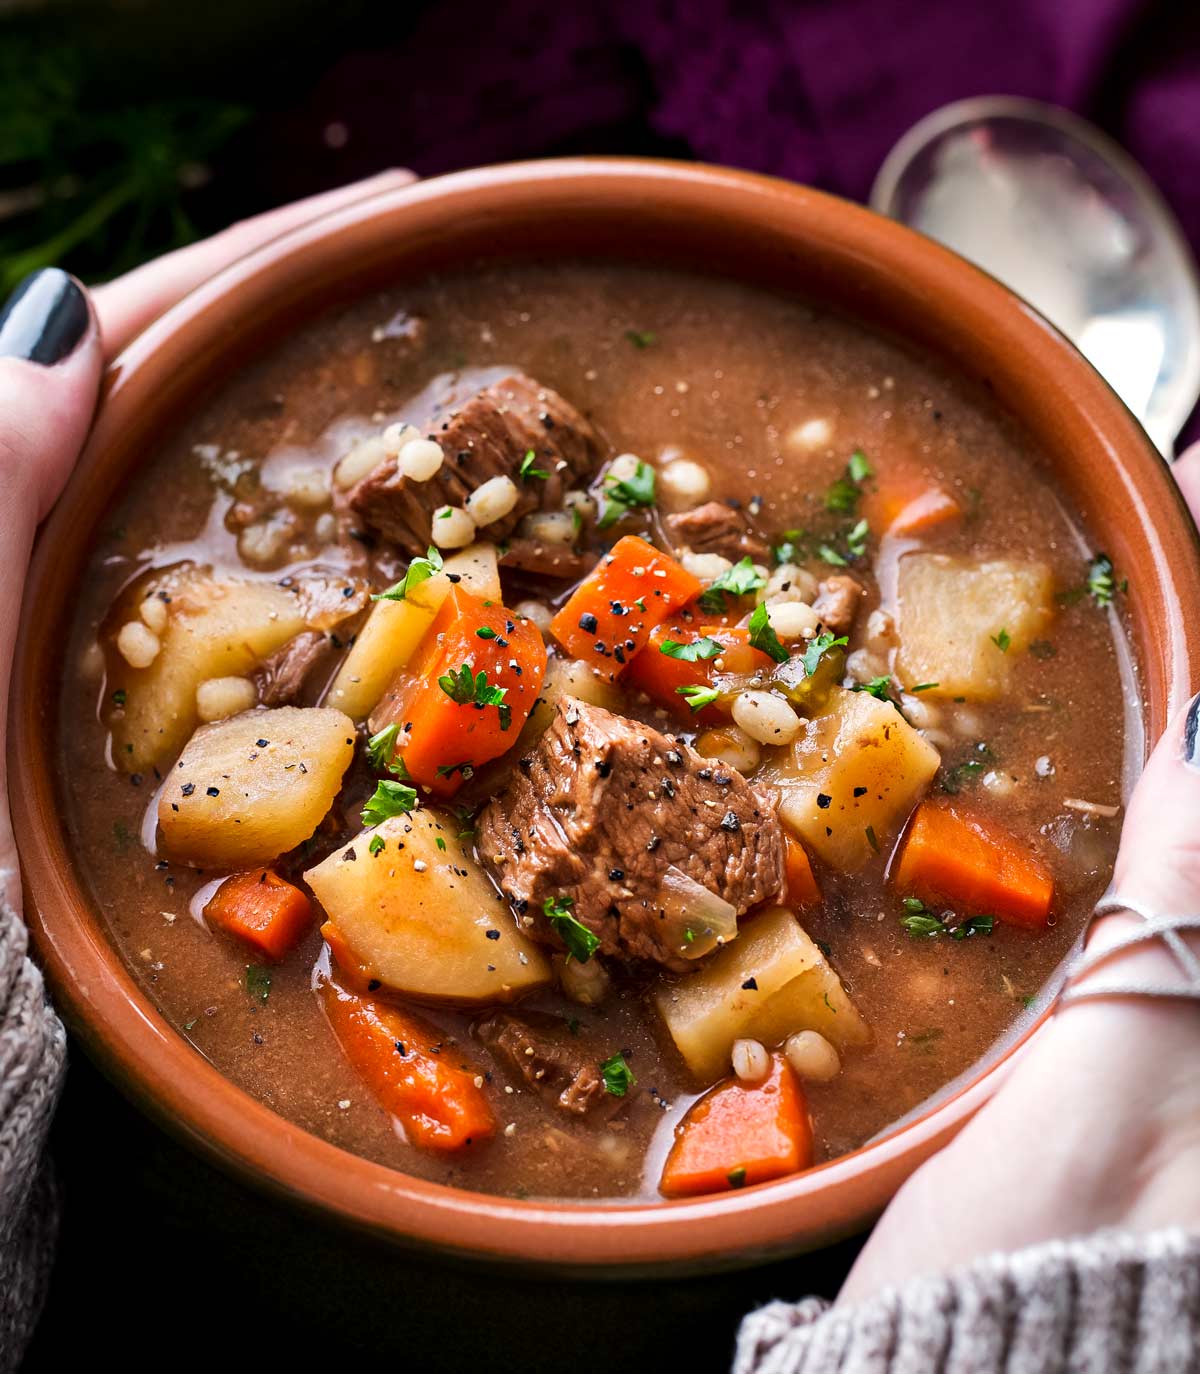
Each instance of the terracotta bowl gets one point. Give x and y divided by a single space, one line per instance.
733 223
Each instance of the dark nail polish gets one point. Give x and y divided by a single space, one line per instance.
44 318
1191 734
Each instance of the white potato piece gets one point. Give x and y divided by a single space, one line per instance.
251 787
858 766
950 613
215 628
794 989
394 629
423 920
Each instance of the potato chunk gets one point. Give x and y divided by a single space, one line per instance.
769 983
213 628
253 786
422 919
394 629
852 776
953 610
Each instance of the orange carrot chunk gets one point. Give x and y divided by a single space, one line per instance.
741 1133
950 854
610 615
263 909
411 1069
449 718
905 501
661 674
802 889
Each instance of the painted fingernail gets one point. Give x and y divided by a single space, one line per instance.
44 318
1191 734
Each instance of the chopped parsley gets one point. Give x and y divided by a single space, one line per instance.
258 982
618 1076
697 695
856 540
921 923
382 745
843 494
791 548
621 494
118 697
694 652
485 632
473 689
879 687
764 638
390 799
581 943
740 580
737 1177
858 469
641 338
818 648
419 570
376 845
527 468
872 840
831 556
924 687
441 844
1002 640
1100 584
448 770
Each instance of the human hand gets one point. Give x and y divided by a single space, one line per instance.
54 343
1098 1123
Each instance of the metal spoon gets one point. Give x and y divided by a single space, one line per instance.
1052 207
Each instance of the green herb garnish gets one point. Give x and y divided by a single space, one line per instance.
473 689
924 687
1002 640
858 469
1100 582
856 540
527 469
623 493
581 943
740 580
764 638
817 649
737 1177
419 570
641 338
390 799
618 1076
697 695
879 687
382 745
694 652
921 923
376 845
258 982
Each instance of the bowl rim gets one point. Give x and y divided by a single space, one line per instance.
160 1069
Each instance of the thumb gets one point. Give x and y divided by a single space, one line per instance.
50 362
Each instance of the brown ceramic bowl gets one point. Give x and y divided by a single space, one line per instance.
744 226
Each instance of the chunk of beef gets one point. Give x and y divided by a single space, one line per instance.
327 601
837 602
718 528
282 678
539 1048
540 560
602 807
487 436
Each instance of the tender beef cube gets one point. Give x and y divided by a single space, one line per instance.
837 602
281 679
539 560
539 1048
602 807
718 528
487 436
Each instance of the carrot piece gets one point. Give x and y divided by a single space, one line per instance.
802 889
949 854
741 1133
263 909
610 615
907 502
439 736
660 675
411 1070
353 970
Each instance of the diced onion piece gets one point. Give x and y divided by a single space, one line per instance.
701 919
452 528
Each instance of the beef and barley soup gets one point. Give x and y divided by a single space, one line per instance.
590 730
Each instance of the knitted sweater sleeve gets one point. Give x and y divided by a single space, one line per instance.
32 1055
1111 1303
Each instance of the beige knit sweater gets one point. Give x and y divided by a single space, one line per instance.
1112 1303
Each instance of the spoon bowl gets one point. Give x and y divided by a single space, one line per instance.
1060 214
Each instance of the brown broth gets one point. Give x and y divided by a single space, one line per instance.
730 373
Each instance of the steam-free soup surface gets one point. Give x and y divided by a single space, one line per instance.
769 399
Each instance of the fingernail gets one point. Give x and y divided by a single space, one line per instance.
1191 734
44 318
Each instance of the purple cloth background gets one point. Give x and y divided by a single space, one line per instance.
814 90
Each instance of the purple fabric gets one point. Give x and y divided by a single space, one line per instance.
814 90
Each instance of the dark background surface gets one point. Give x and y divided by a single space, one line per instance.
127 129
